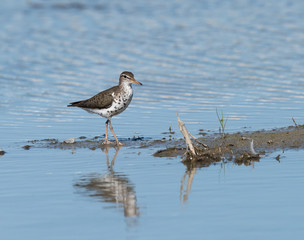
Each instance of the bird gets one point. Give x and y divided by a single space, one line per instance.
110 102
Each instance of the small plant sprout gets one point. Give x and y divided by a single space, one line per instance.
222 122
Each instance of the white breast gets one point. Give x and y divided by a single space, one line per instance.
120 103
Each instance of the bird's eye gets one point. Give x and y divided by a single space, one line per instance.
125 76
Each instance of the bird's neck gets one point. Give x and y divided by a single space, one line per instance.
126 87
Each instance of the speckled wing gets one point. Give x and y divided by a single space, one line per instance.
99 101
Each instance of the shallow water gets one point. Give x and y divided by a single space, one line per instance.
60 194
245 58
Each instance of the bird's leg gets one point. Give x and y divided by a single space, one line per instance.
111 128
106 141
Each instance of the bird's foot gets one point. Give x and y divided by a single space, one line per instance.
107 142
119 144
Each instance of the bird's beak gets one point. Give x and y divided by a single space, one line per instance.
137 82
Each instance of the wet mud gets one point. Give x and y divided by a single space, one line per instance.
241 147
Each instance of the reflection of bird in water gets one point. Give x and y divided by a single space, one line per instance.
112 188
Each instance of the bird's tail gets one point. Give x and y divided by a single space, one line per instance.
74 104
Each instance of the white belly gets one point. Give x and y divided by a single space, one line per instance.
118 106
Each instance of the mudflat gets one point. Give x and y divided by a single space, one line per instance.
240 147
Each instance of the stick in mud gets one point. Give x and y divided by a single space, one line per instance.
294 121
185 133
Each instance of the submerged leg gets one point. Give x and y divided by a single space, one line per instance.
111 128
106 141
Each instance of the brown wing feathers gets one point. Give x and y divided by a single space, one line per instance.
101 100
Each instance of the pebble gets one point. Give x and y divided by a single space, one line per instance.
26 147
70 140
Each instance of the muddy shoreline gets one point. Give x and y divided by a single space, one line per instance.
240 147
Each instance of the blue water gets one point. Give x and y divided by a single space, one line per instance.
193 57
41 197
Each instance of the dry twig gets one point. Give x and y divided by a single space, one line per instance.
185 133
294 121
195 139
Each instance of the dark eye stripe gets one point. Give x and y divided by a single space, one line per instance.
126 76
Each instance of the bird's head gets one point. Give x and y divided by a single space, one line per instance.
127 77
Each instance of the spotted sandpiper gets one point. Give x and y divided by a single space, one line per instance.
110 102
